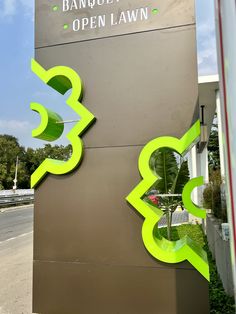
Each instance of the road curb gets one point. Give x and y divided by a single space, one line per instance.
3 210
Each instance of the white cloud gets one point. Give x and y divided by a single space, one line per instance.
28 6
207 57
20 129
205 28
9 8
14 125
28 3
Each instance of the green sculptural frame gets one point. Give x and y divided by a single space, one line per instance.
61 79
159 247
51 126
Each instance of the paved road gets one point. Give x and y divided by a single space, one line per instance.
16 254
15 222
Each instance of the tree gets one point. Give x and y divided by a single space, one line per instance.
172 173
213 147
213 191
29 160
9 150
36 156
212 196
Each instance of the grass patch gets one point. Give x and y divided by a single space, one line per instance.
220 302
193 231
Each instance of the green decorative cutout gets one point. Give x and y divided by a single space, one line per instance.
61 79
186 196
51 127
159 247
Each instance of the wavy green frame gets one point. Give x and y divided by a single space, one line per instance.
159 247
51 126
187 201
61 79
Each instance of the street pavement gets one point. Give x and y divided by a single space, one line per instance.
16 255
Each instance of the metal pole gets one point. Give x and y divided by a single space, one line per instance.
67 121
16 172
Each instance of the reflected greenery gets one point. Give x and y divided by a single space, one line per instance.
172 174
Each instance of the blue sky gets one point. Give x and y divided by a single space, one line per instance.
19 86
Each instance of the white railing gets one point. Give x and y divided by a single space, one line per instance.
16 197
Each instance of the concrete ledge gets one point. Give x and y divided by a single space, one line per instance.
3 210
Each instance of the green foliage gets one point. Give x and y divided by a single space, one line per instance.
212 196
29 160
216 201
220 302
193 231
213 148
36 156
212 193
164 164
172 176
182 177
207 197
9 150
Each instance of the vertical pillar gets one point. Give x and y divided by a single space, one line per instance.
137 60
226 38
198 166
193 169
220 135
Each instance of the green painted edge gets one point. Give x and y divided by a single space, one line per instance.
49 129
62 79
186 196
157 246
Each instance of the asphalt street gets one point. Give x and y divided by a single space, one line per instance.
16 254
15 222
